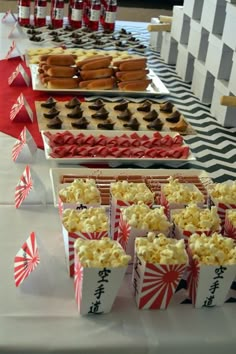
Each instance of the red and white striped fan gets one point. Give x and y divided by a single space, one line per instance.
26 260
18 146
17 106
78 278
11 50
23 187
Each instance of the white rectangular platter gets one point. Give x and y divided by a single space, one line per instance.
112 161
60 177
156 89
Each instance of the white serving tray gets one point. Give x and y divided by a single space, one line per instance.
115 161
157 88
57 173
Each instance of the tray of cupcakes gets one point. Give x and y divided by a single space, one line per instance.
123 115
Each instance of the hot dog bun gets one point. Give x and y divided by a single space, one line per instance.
131 64
94 57
97 64
131 75
98 84
60 59
137 85
61 71
62 83
96 74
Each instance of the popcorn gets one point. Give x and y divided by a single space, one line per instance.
81 191
224 192
231 214
213 250
176 192
161 249
101 253
193 219
87 220
132 192
140 216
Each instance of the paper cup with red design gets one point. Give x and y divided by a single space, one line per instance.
96 288
69 240
208 285
155 284
230 223
222 206
168 206
76 206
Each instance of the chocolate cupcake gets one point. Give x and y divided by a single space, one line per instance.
73 103
145 107
95 106
77 112
52 113
49 103
157 124
108 125
81 123
55 123
151 116
122 106
166 107
125 116
133 124
174 117
102 113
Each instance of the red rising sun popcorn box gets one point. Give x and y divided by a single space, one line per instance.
74 224
230 223
155 282
223 196
96 286
136 221
80 194
208 283
176 195
124 194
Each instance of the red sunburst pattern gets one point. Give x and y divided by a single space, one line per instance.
165 204
23 187
78 279
11 49
159 284
18 146
26 259
221 210
17 107
193 270
229 229
116 209
123 232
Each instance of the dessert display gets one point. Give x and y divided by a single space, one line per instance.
134 146
139 116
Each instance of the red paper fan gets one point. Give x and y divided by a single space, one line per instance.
24 187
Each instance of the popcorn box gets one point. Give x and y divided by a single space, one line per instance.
96 288
208 285
169 206
221 209
179 233
155 284
115 212
229 227
76 206
69 240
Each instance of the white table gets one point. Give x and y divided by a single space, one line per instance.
41 316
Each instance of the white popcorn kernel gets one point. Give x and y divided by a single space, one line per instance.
80 191
176 192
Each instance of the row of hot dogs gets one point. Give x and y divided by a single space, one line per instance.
99 72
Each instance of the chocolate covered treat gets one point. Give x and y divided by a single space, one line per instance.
133 124
108 125
95 106
166 107
102 113
151 116
55 123
157 124
174 117
73 103
181 126
145 106
49 103
77 112
81 123
52 113
125 116
122 106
